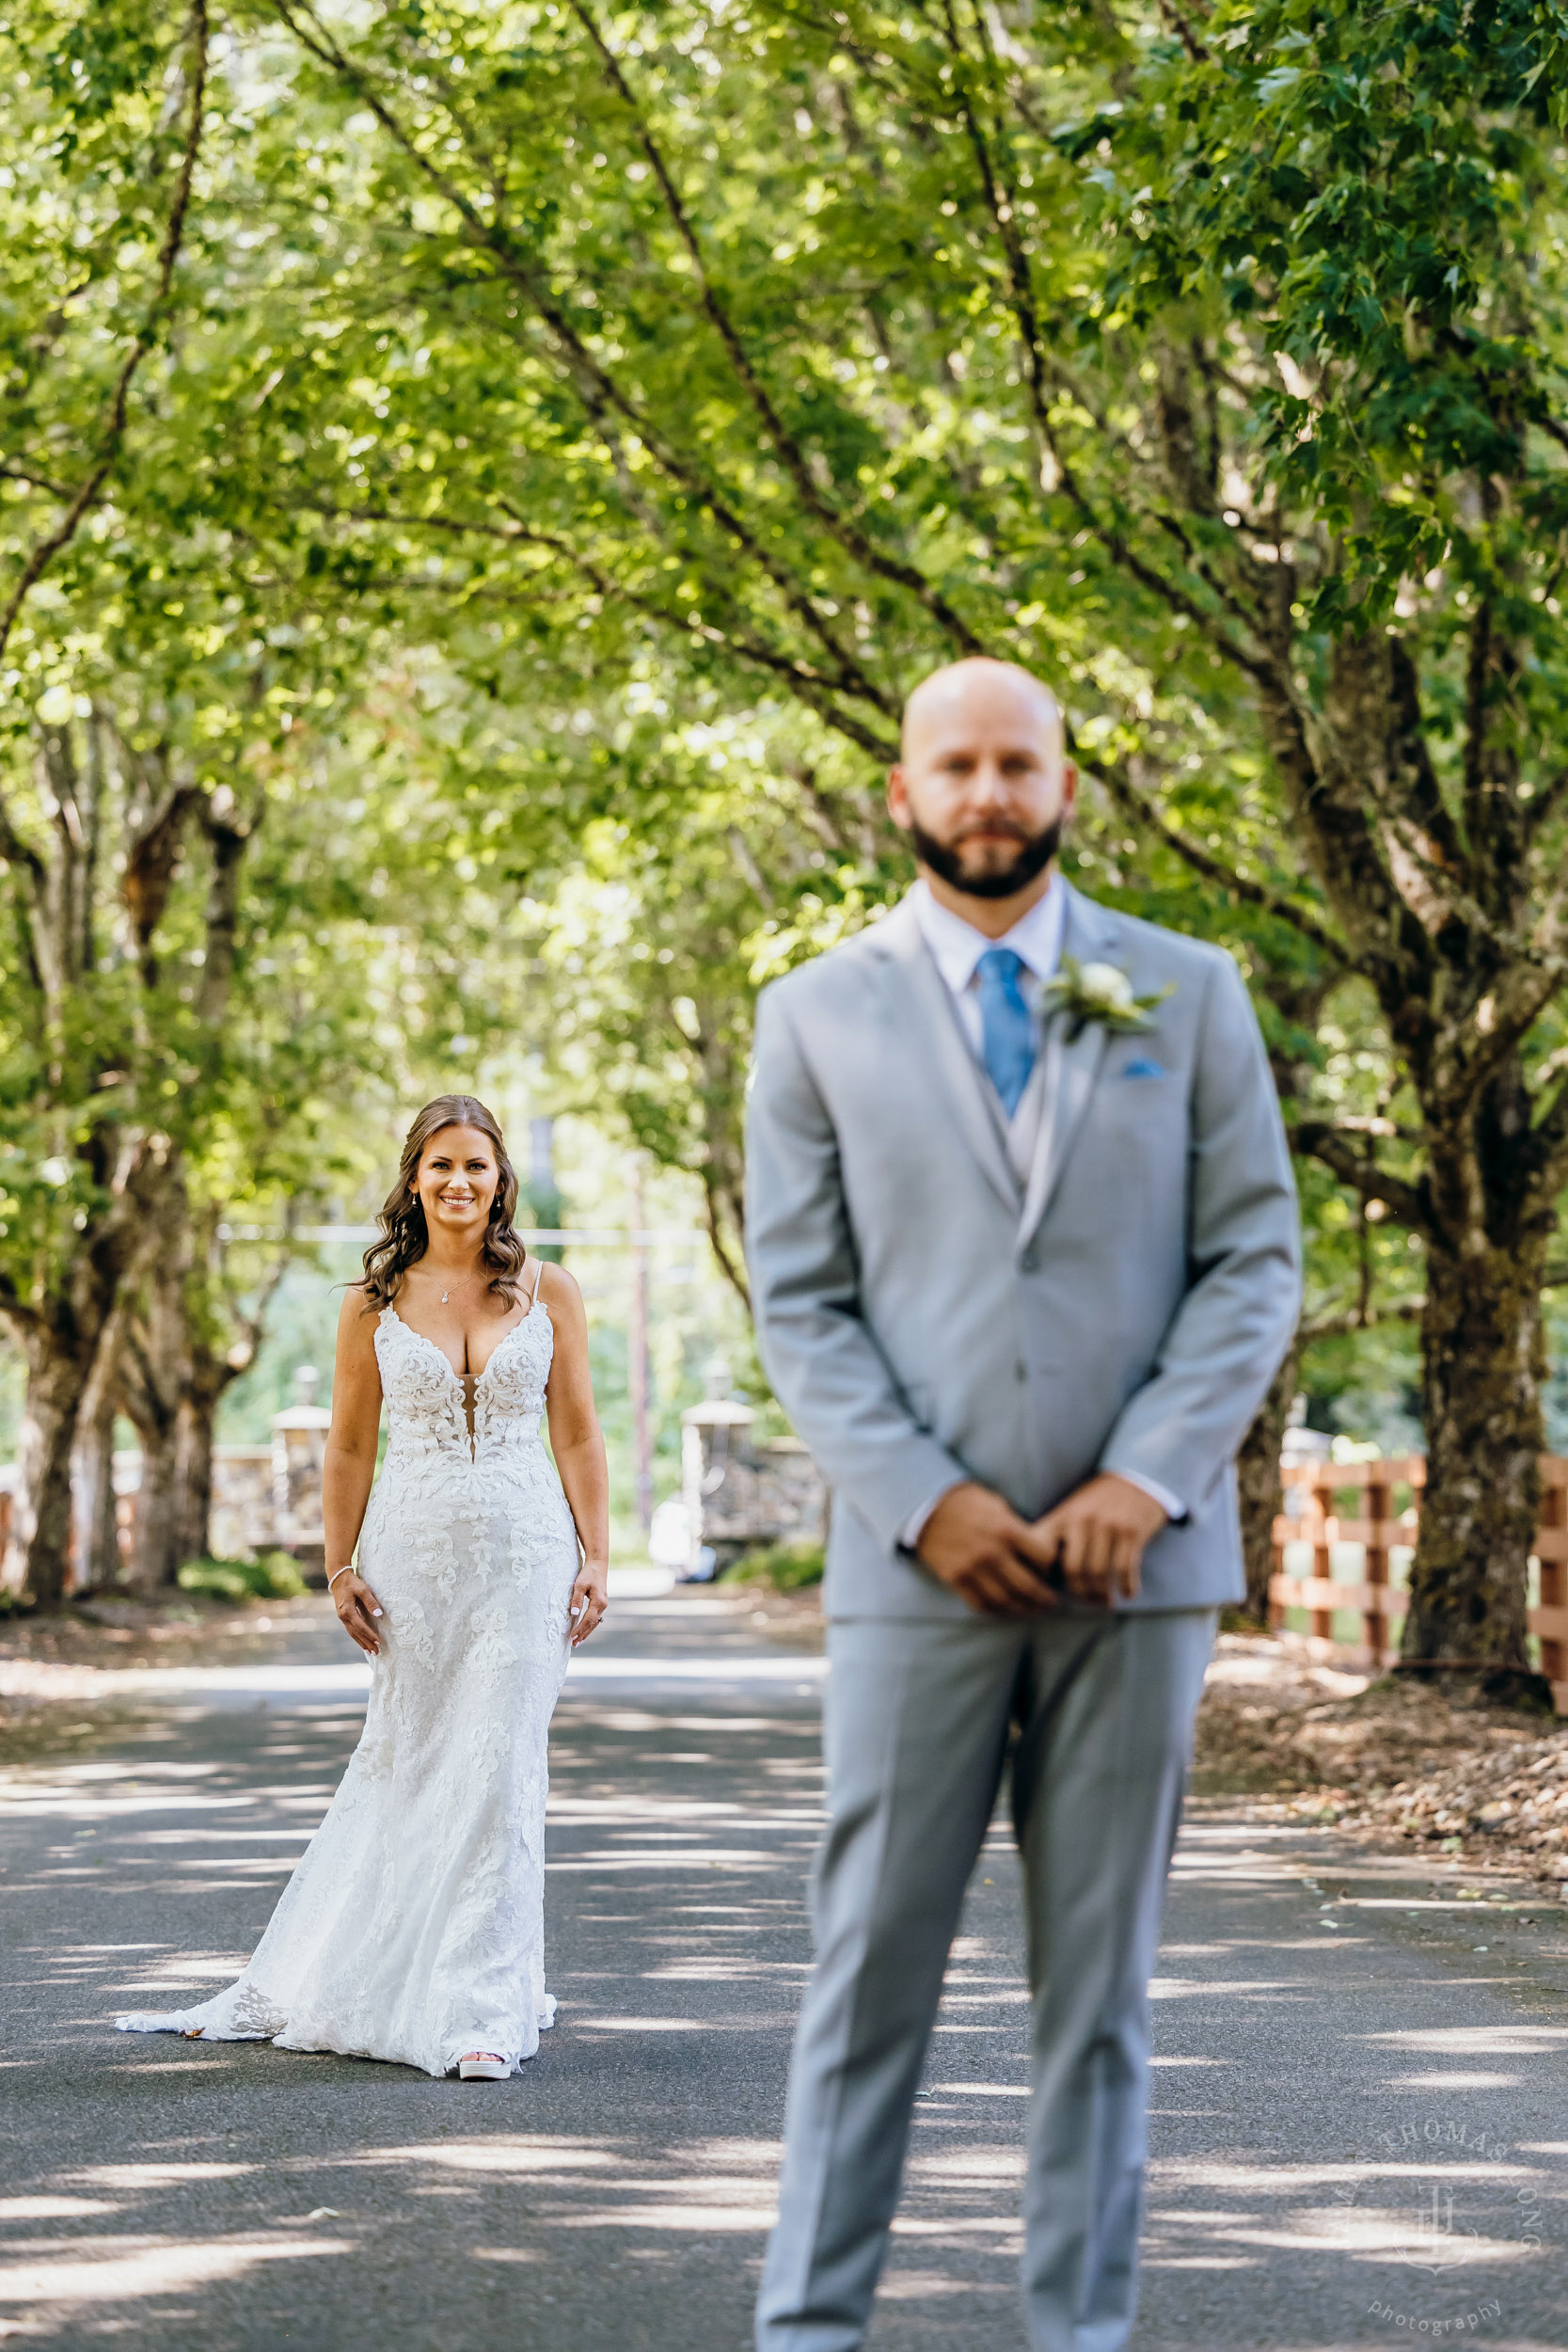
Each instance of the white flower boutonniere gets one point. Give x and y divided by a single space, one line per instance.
1102 993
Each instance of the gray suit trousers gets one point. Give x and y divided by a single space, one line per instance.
919 1719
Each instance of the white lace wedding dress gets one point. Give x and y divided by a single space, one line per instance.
413 1927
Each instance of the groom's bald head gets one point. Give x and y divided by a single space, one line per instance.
979 688
983 784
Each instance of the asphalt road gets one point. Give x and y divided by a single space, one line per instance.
1360 2125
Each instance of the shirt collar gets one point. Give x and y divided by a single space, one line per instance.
957 947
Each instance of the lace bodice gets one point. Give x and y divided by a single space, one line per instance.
426 1411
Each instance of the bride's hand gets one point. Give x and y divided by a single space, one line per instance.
590 1600
357 1607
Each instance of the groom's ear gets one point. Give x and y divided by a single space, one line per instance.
898 796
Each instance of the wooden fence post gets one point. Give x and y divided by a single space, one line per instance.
125 1528
1376 1529
1321 1494
1375 1618
1554 1572
1275 1616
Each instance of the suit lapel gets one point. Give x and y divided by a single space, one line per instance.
1071 1072
925 1010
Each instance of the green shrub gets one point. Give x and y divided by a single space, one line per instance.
789 1567
273 1577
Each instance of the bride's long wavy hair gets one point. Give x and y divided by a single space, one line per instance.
403 1235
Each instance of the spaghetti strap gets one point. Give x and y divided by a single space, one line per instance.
533 1294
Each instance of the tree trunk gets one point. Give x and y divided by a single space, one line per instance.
155 1380
1257 1484
153 1390
155 1556
723 1054
216 1352
39 1561
726 1230
97 1529
66 1342
1483 1359
194 1474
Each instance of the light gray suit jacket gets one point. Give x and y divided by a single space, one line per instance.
924 1319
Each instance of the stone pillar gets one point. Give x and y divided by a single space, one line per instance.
245 1513
741 1496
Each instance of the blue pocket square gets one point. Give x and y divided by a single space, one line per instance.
1143 1068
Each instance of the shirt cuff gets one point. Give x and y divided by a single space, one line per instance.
1172 1505
914 1526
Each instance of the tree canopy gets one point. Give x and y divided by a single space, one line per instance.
660 391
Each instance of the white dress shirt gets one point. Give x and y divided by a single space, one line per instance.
957 949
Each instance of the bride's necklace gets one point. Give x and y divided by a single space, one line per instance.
453 1284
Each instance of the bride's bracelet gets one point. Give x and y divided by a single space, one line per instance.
345 1570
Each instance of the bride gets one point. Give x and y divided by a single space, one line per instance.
412 1928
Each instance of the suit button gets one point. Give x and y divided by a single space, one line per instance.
1021 1372
1030 1262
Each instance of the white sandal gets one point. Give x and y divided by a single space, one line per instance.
482 2066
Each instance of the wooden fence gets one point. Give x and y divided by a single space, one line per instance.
1377 1528
1380 1529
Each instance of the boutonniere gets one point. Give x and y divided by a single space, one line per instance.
1102 993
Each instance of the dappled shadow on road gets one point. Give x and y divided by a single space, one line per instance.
618 2192
597 2175
1342 2125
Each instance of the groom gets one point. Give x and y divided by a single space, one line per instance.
1023 1270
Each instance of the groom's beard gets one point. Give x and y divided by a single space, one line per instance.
1036 852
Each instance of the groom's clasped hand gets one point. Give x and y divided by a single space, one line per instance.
1089 1547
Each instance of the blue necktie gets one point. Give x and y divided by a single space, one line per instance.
1007 1024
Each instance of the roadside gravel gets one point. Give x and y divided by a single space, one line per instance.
1399 1764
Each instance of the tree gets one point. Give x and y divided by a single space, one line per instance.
187 1332
1383 571
78 339
1210 361
654 923
92 1156
172 855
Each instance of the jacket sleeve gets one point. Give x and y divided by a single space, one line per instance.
827 1370
1228 1337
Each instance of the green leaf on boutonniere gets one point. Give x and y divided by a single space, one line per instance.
1102 993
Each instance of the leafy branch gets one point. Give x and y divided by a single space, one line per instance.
112 429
